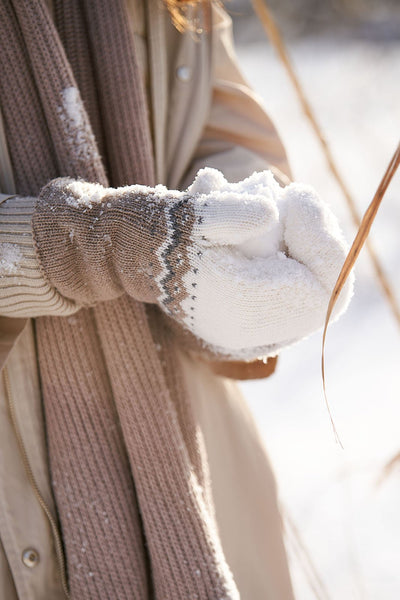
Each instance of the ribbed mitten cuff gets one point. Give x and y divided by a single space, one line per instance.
96 243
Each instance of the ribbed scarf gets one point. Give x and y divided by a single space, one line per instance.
127 461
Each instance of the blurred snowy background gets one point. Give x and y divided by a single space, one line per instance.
347 54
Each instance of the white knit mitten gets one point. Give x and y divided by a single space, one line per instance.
256 295
246 267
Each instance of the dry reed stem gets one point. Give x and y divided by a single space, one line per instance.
352 256
363 226
276 39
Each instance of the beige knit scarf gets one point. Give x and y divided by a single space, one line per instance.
127 460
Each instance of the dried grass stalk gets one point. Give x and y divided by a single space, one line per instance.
272 30
364 226
359 241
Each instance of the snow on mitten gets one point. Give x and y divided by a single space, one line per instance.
246 268
273 289
95 243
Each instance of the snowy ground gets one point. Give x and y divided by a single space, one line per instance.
349 523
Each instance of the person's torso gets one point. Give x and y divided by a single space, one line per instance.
178 96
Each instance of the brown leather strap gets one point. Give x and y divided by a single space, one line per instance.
257 369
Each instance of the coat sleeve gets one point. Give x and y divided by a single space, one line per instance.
239 137
24 290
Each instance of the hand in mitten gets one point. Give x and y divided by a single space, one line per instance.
189 252
94 243
272 289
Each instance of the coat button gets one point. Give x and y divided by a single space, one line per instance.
184 73
30 557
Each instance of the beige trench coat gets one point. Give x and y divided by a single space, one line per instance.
202 113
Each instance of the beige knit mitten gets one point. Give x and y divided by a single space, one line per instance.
246 268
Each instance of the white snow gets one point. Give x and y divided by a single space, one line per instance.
350 525
10 258
73 106
210 187
74 119
84 194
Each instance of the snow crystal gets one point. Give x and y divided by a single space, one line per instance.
73 106
211 188
84 194
81 194
10 258
76 124
209 180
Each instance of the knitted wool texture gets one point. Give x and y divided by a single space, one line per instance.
127 460
154 243
246 267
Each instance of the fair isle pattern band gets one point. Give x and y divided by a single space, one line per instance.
173 255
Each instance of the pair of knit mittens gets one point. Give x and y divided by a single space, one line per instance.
246 268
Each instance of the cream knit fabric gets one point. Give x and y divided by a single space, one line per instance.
23 287
247 268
